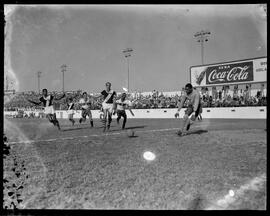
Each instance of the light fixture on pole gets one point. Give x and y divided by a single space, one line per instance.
202 37
127 53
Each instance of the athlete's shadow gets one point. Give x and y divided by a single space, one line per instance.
197 132
133 136
136 127
72 129
128 128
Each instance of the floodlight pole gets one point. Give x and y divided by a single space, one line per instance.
6 83
63 70
38 76
127 53
202 37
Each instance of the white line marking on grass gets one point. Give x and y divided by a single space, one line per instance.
98 135
254 184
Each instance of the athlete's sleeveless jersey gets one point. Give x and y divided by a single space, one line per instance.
110 99
47 101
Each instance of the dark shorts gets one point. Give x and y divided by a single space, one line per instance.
190 110
86 112
121 113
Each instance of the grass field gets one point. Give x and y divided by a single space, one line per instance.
83 168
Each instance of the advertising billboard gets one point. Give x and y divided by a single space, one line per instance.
229 73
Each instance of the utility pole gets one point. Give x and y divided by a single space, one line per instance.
38 76
6 83
63 70
202 37
127 53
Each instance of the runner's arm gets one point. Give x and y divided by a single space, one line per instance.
114 104
97 97
130 111
60 97
181 104
196 102
36 103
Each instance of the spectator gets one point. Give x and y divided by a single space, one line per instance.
18 101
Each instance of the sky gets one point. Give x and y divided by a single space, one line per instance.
90 39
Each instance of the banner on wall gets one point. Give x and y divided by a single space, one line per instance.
236 72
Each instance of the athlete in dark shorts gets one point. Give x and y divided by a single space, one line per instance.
193 110
47 101
86 109
122 104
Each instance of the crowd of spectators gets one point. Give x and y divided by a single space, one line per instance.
140 101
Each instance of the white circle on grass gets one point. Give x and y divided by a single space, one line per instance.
149 156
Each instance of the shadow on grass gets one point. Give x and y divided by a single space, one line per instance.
72 129
197 203
127 128
136 127
133 136
197 132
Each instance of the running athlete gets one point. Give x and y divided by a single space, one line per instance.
47 101
122 104
194 108
70 110
108 105
86 109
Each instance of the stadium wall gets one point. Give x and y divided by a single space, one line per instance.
217 112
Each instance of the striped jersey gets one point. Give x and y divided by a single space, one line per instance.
70 106
111 94
47 101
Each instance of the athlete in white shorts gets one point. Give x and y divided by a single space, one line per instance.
108 105
47 101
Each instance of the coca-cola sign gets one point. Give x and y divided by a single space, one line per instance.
229 73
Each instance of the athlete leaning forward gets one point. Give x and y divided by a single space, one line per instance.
47 101
194 108
122 105
85 103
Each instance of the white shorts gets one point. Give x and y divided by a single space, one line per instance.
108 107
70 112
49 110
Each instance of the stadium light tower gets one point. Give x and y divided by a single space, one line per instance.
63 70
38 76
202 37
127 53
6 83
